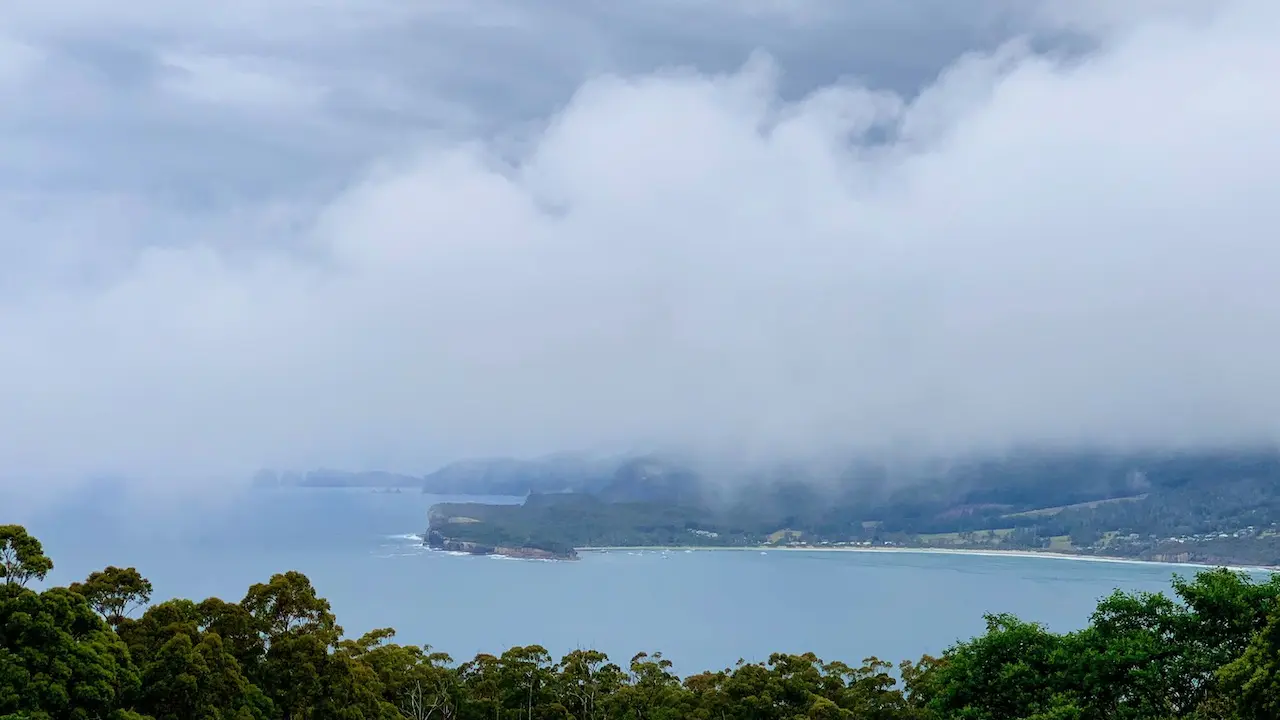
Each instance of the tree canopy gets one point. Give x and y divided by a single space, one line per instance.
114 592
22 557
1209 650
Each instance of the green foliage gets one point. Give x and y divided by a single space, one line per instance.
22 557
58 659
1013 671
1254 678
194 676
1208 651
288 606
115 592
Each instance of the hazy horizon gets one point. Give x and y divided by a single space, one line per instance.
374 236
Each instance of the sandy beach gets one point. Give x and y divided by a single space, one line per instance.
933 551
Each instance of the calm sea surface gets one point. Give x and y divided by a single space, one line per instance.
703 610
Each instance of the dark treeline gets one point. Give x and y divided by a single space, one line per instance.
99 649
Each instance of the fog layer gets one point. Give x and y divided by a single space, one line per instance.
1032 247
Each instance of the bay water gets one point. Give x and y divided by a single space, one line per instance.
702 609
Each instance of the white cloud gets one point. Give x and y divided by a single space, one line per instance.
1031 250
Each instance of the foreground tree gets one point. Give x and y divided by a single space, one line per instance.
195 677
22 557
1014 671
587 679
187 669
115 592
58 659
288 605
238 630
1148 655
418 683
1253 680
652 691
527 675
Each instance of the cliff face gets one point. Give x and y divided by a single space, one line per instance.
1199 558
438 541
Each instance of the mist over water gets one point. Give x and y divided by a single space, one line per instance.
703 610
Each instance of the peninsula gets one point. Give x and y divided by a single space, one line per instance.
1203 508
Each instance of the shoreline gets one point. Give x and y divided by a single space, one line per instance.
1045 554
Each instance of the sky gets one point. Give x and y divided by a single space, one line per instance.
374 234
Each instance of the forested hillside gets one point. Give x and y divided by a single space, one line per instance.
1219 508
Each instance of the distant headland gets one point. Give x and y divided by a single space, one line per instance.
1204 507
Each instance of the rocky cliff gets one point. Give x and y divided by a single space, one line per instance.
438 541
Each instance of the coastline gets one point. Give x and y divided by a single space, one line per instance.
1045 554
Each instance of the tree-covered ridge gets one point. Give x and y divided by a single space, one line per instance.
1208 507
1211 652
560 523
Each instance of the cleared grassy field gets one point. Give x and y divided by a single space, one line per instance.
992 537
1060 542
1047 512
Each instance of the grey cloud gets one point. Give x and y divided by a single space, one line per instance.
392 71
822 248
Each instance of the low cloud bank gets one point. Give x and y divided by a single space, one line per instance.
1032 250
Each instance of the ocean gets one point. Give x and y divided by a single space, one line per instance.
703 610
